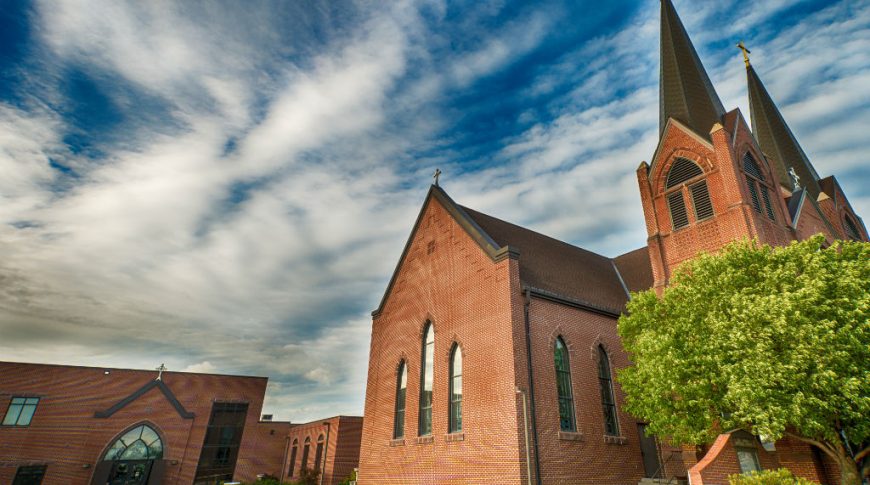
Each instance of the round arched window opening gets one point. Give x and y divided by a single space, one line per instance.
140 443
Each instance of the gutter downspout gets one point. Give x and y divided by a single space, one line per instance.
526 304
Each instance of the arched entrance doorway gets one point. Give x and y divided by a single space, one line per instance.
131 458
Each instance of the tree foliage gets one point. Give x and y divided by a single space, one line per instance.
769 477
771 340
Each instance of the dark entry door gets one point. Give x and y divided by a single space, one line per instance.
649 451
130 472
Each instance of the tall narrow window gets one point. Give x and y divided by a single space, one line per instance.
305 454
220 449
563 387
293 458
608 404
701 201
455 389
401 388
426 374
318 455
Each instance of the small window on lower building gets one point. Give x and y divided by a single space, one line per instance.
748 459
29 475
20 411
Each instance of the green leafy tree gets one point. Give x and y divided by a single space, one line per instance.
772 340
769 477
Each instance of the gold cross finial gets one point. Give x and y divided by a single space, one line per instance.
160 372
746 52
436 175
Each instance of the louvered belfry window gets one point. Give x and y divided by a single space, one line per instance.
679 216
701 201
852 229
758 191
681 172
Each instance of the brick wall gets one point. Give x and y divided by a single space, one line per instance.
447 279
65 435
262 450
341 438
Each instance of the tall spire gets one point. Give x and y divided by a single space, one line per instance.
776 139
685 90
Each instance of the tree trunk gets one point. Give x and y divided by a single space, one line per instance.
849 473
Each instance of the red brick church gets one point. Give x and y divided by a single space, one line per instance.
494 348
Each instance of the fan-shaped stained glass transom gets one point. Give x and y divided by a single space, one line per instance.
140 443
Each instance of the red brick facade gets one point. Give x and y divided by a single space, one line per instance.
66 435
340 438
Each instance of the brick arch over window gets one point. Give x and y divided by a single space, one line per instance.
660 174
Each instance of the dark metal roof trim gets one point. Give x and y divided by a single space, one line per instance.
571 302
179 408
489 246
621 281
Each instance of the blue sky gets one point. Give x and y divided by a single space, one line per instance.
226 186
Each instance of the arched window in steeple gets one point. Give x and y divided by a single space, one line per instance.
686 173
564 387
851 228
758 190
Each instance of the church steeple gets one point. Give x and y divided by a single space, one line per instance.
776 139
686 92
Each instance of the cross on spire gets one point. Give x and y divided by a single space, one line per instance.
746 52
160 372
436 175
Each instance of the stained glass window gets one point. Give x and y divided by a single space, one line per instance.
427 373
140 443
563 387
608 403
455 424
401 388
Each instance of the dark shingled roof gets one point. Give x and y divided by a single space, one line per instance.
567 271
635 269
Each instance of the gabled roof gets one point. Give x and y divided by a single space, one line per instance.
776 139
685 90
548 267
179 408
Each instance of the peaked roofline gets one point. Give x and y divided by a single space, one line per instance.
179 408
489 246
668 126
685 89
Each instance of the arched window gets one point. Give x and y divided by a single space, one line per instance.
305 454
293 458
401 388
140 443
852 228
687 172
455 421
318 455
426 374
563 387
758 191
608 403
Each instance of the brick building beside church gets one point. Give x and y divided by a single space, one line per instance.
494 348
71 425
